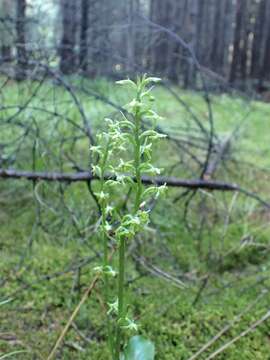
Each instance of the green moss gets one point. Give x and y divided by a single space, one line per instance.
235 256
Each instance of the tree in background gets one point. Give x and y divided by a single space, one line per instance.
258 39
162 13
83 56
22 60
6 29
192 39
265 68
217 53
68 40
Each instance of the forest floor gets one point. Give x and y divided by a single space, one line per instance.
226 270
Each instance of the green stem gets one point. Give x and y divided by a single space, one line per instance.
105 243
106 279
103 223
122 247
103 212
137 155
121 295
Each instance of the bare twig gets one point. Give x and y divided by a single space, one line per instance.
226 328
72 317
242 334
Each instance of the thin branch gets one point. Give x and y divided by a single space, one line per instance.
72 317
227 327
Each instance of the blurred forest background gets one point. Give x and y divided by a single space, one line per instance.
231 38
198 278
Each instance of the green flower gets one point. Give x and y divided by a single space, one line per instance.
107 270
128 324
113 307
96 170
102 195
96 149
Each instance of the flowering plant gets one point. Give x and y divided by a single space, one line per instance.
125 136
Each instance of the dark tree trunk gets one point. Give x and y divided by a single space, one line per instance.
207 31
226 31
215 56
160 16
84 34
244 52
201 19
258 40
245 48
21 71
6 53
102 59
174 49
265 69
191 71
130 36
68 41
217 53
236 60
6 27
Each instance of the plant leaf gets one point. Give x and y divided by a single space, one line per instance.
12 354
127 82
138 348
5 302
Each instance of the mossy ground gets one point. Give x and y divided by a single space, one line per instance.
231 253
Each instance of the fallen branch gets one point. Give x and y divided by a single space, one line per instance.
85 176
